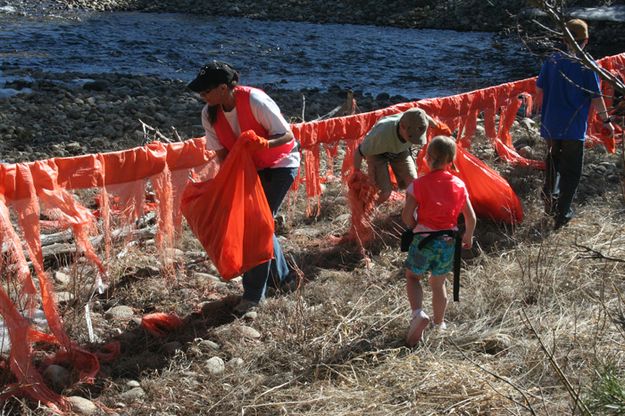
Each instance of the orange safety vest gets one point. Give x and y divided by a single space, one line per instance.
262 158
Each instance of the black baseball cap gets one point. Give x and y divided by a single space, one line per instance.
213 74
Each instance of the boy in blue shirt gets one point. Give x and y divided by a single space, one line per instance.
569 89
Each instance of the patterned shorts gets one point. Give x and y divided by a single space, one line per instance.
437 256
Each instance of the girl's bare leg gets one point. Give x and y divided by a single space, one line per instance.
420 320
439 298
414 290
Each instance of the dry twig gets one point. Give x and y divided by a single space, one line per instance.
527 405
596 254
563 378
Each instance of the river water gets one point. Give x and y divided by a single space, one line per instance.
408 62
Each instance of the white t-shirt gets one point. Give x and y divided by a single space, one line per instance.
267 113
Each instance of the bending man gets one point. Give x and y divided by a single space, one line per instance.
389 142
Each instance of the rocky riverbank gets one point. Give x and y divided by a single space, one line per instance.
463 15
56 115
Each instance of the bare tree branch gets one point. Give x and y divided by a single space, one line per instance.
557 15
554 364
157 134
595 254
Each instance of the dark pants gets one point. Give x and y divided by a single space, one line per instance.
276 184
563 171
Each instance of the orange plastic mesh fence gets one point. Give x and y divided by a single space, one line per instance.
122 179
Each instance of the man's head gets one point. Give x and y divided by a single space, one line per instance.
441 152
413 126
213 75
579 30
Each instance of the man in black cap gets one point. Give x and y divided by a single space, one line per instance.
229 111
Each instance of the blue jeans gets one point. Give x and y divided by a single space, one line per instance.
563 171
276 183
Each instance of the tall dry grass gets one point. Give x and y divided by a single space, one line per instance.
540 327
538 321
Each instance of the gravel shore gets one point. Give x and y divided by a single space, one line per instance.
55 115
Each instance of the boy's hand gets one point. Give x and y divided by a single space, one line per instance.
356 179
357 159
467 241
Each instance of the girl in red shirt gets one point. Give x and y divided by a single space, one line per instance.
433 203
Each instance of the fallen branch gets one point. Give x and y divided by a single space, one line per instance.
60 237
596 254
563 378
345 109
157 133
527 406
53 252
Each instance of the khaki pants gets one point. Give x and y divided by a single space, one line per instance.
403 167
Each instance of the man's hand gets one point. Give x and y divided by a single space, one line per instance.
355 179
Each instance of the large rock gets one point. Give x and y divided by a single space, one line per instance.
133 394
215 365
63 297
208 345
205 278
82 406
248 332
236 362
62 278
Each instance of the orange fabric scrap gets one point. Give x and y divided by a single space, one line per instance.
362 195
160 324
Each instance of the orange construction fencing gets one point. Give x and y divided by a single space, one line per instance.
154 176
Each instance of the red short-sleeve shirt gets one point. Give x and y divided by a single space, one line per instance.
440 197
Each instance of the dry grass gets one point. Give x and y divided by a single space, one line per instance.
541 315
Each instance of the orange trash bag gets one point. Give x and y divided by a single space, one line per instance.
229 214
491 195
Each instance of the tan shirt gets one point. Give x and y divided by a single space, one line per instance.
384 138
